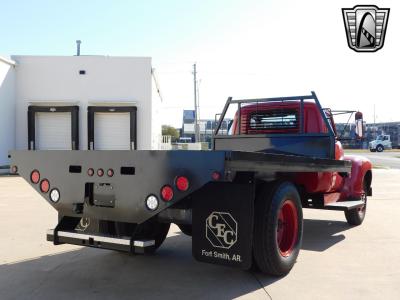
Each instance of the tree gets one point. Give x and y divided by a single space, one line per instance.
169 130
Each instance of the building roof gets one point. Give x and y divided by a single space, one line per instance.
7 61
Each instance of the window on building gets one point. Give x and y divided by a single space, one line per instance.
224 125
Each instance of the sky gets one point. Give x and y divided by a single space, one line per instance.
243 49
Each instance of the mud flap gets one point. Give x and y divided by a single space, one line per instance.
223 224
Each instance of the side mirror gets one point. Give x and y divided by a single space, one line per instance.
359 130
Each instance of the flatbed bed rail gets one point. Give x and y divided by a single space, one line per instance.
261 162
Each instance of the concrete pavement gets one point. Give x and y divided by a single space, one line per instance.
385 159
336 262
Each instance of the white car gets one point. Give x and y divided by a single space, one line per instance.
382 142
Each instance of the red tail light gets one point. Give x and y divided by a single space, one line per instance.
44 186
216 176
167 193
100 172
182 183
35 176
110 172
90 172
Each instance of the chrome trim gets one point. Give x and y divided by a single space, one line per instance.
144 243
103 239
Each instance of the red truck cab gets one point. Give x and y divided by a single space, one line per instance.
285 118
278 118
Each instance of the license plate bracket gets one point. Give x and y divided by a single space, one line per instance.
103 195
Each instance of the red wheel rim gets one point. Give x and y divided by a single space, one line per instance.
287 229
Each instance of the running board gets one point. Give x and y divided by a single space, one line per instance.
344 205
103 242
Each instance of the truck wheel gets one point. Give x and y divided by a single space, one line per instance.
158 232
379 148
278 228
186 229
356 216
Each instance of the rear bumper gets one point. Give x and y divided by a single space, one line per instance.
97 241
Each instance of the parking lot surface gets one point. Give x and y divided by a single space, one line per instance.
386 159
336 262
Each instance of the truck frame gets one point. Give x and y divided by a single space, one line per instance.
241 202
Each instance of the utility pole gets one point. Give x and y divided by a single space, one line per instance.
374 115
78 47
198 107
196 125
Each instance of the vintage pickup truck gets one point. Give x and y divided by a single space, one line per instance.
241 202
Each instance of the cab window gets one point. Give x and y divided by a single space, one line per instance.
273 119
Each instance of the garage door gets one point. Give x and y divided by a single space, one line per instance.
53 130
112 131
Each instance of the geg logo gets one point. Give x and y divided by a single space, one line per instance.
221 230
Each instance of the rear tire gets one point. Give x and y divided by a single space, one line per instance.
278 228
356 216
186 229
150 230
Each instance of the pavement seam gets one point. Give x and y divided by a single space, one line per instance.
261 285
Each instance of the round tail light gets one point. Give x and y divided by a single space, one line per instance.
110 172
90 172
14 169
167 193
44 186
35 176
100 172
54 195
216 176
152 202
182 183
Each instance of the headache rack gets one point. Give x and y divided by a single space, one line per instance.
275 130
299 99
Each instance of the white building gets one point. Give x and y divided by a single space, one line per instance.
77 102
7 108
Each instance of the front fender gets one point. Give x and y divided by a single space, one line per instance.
361 168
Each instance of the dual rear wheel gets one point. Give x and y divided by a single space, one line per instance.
278 228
